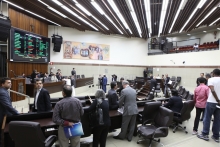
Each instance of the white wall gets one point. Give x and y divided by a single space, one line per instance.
204 58
123 51
204 37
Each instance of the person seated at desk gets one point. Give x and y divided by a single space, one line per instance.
175 102
53 78
100 132
113 97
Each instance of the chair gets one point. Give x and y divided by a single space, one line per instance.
175 85
190 97
185 114
157 89
182 91
82 76
159 126
32 135
149 112
185 95
180 87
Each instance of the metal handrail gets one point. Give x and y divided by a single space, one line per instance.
20 94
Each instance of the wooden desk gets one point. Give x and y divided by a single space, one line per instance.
83 82
51 87
46 122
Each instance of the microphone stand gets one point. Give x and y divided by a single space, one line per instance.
14 73
21 94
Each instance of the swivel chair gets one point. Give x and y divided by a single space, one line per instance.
185 114
159 126
32 135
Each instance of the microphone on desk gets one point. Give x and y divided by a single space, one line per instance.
14 73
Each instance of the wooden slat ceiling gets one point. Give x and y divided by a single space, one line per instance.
155 8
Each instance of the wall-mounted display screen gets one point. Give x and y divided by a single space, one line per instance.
28 47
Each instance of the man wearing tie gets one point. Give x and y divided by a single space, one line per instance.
5 101
42 98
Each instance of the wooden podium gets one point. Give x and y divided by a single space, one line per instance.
18 85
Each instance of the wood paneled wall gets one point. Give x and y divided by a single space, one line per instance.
27 68
25 22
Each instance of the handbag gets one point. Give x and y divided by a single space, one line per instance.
73 131
96 117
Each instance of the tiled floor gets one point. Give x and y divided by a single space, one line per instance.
178 139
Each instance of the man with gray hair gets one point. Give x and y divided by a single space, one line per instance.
128 98
67 112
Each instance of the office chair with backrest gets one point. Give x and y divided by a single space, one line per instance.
182 91
175 85
159 126
157 89
179 89
185 114
32 135
185 95
190 97
149 112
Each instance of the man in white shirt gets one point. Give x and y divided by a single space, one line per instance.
68 82
212 108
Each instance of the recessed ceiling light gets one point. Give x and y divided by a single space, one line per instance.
188 34
204 31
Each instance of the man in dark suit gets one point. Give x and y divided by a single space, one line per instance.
175 102
128 98
153 83
5 101
121 87
33 75
42 98
113 97
104 83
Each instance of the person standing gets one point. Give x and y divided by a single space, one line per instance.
104 83
162 44
5 101
100 81
212 108
73 72
128 98
167 79
100 132
67 112
33 75
113 97
201 94
42 98
121 86
201 76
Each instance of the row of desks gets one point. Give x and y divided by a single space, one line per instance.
45 120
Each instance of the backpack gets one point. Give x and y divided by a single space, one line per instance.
96 116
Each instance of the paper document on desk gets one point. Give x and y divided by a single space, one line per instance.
121 110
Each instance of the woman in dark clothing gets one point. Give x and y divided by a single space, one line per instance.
100 132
